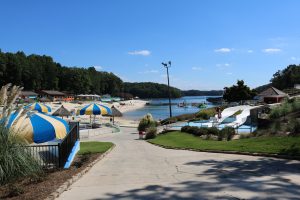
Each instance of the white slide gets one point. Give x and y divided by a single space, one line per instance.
231 110
241 118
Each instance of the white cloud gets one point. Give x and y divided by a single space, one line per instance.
197 68
250 51
229 73
271 50
98 68
223 66
149 71
293 58
223 50
140 52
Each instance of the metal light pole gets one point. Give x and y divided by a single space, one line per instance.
167 65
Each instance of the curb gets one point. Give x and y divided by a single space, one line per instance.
76 177
232 152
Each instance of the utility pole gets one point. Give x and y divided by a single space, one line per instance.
167 65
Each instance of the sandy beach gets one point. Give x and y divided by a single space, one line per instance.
123 106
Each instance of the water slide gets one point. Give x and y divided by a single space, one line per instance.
241 118
231 110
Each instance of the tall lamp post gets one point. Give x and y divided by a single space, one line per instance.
167 65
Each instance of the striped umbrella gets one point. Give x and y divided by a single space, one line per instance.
38 127
95 109
39 107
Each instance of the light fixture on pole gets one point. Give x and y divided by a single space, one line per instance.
167 65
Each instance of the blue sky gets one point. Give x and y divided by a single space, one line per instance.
211 43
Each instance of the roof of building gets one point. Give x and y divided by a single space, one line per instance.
53 92
272 92
28 93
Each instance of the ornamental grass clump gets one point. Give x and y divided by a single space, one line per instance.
15 160
146 122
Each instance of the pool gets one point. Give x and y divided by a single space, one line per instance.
241 129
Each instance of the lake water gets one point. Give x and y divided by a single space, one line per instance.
162 112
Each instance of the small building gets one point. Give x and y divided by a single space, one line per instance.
272 95
53 95
69 96
28 95
89 97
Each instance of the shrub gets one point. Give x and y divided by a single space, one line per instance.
294 127
185 129
206 114
276 128
197 131
146 122
284 109
15 161
228 132
151 133
213 131
203 131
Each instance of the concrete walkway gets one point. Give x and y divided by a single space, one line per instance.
138 170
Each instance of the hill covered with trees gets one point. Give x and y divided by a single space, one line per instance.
150 90
202 93
35 72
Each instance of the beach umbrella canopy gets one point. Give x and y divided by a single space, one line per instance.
95 109
115 112
62 112
38 127
39 107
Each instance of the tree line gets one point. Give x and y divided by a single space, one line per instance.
36 72
202 93
151 90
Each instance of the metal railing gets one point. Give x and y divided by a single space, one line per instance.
46 155
55 155
65 147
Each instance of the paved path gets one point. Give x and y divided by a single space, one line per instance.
138 170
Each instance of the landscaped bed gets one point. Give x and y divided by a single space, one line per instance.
265 144
41 186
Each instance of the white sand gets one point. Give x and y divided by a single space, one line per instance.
123 106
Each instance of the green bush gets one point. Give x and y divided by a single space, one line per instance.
185 129
285 108
146 122
228 133
294 127
151 133
276 127
199 131
213 131
206 114
15 160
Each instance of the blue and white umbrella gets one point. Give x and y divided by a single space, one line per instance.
39 107
95 109
38 127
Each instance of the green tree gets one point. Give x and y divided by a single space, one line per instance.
286 78
238 92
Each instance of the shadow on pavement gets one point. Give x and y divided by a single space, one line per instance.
232 179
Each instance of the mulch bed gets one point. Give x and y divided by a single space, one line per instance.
42 186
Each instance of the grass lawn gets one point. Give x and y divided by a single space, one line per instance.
94 147
271 145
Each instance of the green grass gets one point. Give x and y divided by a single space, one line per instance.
270 145
94 147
